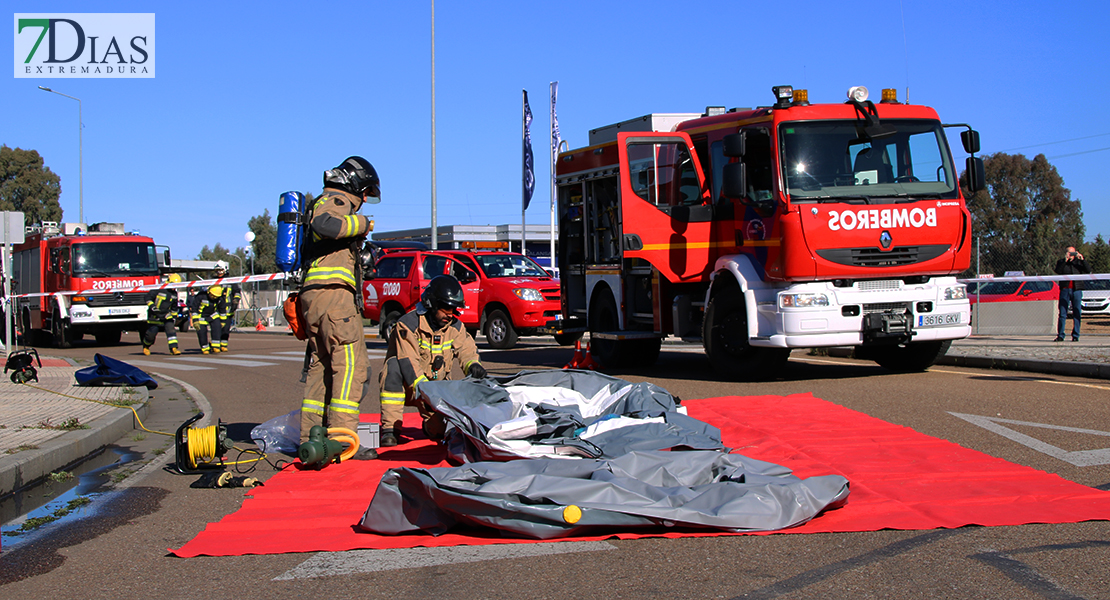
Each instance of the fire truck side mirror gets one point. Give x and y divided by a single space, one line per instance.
970 138
733 145
734 180
976 174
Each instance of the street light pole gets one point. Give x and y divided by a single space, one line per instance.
80 154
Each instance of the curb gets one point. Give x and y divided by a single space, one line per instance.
72 447
1070 369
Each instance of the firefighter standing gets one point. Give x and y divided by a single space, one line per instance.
422 347
161 312
206 317
231 297
331 299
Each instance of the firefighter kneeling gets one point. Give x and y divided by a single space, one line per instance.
421 348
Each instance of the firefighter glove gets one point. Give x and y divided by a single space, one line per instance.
477 371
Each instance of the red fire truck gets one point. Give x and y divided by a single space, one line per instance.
55 262
756 231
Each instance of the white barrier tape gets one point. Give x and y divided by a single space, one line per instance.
162 286
1085 277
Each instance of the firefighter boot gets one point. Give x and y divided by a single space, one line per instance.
388 439
146 350
174 351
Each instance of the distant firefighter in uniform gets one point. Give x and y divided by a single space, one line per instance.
232 295
161 312
422 347
206 317
331 299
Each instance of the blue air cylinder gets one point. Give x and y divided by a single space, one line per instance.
290 231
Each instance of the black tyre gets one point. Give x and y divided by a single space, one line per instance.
500 332
567 339
59 327
912 358
725 336
604 318
386 326
108 338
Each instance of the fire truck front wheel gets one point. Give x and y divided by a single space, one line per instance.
725 337
910 358
63 335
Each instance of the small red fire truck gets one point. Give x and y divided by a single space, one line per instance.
75 280
756 231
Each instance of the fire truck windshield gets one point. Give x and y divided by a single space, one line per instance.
831 161
111 259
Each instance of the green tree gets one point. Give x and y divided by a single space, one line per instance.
28 186
237 260
1025 217
264 244
1097 254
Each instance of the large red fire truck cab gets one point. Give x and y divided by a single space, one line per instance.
762 230
100 262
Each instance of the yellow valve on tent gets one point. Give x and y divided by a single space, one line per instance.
571 514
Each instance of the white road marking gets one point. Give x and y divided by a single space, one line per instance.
270 357
327 564
1079 458
167 365
227 361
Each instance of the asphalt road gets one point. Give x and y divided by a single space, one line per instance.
119 549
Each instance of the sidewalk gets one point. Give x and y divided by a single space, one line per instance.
42 431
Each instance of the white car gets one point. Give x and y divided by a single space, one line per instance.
1096 297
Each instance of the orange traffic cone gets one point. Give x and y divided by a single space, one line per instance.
589 363
577 359
260 326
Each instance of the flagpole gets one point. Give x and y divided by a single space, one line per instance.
554 91
523 168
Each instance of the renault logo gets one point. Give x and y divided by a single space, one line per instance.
885 240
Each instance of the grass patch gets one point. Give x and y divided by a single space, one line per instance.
138 437
35 522
60 476
21 448
69 424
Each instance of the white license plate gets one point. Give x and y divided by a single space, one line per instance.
119 311
938 320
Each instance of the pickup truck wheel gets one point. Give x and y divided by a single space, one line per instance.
108 338
386 327
567 339
500 333
725 336
912 358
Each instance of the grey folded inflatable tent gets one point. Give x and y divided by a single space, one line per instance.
596 461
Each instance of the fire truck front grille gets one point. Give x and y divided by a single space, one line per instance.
875 257
878 307
121 299
879 285
550 293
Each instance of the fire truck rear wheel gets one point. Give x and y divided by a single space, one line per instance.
500 333
912 358
725 337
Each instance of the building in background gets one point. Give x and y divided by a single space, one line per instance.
482 237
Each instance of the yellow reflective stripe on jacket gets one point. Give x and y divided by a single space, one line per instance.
437 348
324 273
420 379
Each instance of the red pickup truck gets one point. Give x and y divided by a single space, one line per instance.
507 294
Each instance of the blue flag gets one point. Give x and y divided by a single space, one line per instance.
529 173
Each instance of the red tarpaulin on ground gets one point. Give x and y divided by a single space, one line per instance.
900 479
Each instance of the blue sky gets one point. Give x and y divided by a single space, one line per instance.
251 99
